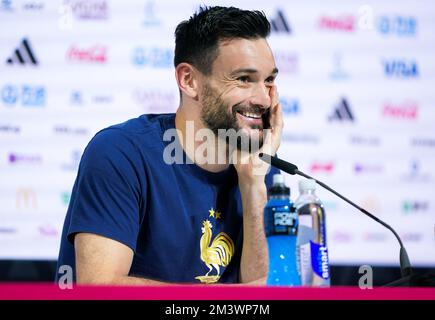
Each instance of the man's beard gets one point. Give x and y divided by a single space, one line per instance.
216 117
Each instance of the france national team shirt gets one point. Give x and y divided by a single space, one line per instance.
183 223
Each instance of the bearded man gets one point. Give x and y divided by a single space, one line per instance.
137 218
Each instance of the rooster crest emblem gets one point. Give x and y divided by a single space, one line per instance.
216 254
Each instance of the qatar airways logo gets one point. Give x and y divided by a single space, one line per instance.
287 62
155 100
88 9
406 111
93 54
344 23
68 130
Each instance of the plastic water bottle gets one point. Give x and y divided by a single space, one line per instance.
280 221
312 250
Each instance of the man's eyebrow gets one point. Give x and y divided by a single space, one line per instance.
243 70
249 70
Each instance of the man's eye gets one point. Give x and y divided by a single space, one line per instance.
270 79
243 79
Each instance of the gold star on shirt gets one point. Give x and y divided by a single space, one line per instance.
211 212
218 215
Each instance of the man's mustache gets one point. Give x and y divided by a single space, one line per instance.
253 109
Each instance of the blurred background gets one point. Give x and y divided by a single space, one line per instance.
356 83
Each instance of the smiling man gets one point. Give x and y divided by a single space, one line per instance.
134 218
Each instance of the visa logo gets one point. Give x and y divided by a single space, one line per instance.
401 69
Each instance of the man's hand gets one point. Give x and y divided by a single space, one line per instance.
251 171
250 168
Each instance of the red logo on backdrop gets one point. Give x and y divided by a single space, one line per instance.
319 167
342 23
407 110
94 54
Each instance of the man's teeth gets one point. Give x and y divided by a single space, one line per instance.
252 115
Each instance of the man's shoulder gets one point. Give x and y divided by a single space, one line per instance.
143 130
131 139
143 124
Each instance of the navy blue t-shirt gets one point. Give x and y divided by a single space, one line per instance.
183 223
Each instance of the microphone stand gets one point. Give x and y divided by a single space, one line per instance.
407 279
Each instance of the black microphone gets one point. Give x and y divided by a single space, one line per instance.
290 168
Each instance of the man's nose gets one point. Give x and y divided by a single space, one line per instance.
261 95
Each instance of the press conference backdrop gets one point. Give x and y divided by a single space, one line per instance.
356 83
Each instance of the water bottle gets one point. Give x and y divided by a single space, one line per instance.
280 222
312 250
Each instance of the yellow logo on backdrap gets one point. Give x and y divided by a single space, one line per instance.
214 253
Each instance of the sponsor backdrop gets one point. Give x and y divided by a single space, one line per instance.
356 83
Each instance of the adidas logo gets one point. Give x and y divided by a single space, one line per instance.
23 54
279 23
342 112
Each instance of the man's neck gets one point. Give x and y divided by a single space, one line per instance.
188 124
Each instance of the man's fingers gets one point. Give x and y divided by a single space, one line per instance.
274 97
276 118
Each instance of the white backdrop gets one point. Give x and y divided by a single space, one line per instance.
356 82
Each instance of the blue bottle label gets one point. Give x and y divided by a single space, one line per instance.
282 261
279 220
320 260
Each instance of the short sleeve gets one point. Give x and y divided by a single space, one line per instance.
108 193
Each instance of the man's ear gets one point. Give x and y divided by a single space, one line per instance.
187 79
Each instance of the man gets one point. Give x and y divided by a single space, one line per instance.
135 217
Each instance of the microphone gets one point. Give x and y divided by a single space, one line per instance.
290 168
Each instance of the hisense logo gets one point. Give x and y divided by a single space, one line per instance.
23 55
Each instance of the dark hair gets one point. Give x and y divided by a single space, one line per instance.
197 39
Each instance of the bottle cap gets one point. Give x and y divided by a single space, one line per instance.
278 186
278 179
307 184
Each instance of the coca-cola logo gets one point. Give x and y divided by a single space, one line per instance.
407 110
93 54
342 23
